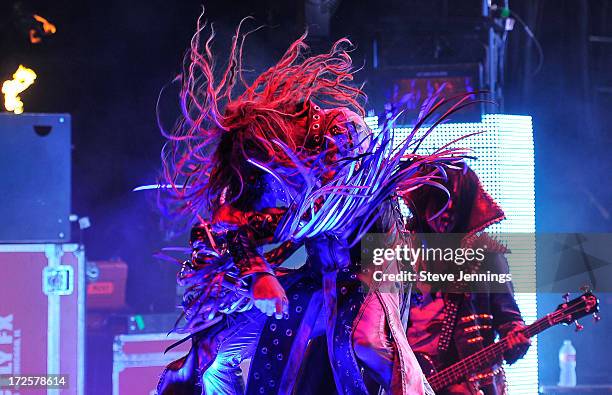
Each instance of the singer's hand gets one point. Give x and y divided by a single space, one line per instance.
269 295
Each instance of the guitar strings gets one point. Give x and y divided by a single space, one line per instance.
446 377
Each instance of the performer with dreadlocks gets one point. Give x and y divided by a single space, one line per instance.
288 161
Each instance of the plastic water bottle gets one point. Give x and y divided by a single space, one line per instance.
567 364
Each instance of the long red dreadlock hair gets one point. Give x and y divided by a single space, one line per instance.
206 153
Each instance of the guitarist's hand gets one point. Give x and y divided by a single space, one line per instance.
518 343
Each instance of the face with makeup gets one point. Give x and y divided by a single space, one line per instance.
444 222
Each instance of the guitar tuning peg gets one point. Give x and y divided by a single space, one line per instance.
585 288
579 327
566 297
596 317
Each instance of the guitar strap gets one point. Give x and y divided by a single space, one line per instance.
451 307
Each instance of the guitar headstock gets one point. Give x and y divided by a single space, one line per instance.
571 310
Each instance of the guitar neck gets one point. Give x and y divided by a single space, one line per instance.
481 359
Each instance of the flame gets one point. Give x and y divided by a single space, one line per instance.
48 28
11 89
34 38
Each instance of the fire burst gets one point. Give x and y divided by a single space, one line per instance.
11 89
48 29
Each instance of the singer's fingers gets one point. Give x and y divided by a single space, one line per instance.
278 313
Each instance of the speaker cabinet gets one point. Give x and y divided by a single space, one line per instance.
35 178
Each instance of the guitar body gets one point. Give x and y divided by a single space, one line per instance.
427 363
431 369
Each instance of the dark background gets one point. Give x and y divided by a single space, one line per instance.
109 60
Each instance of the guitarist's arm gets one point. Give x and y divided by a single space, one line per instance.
507 319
